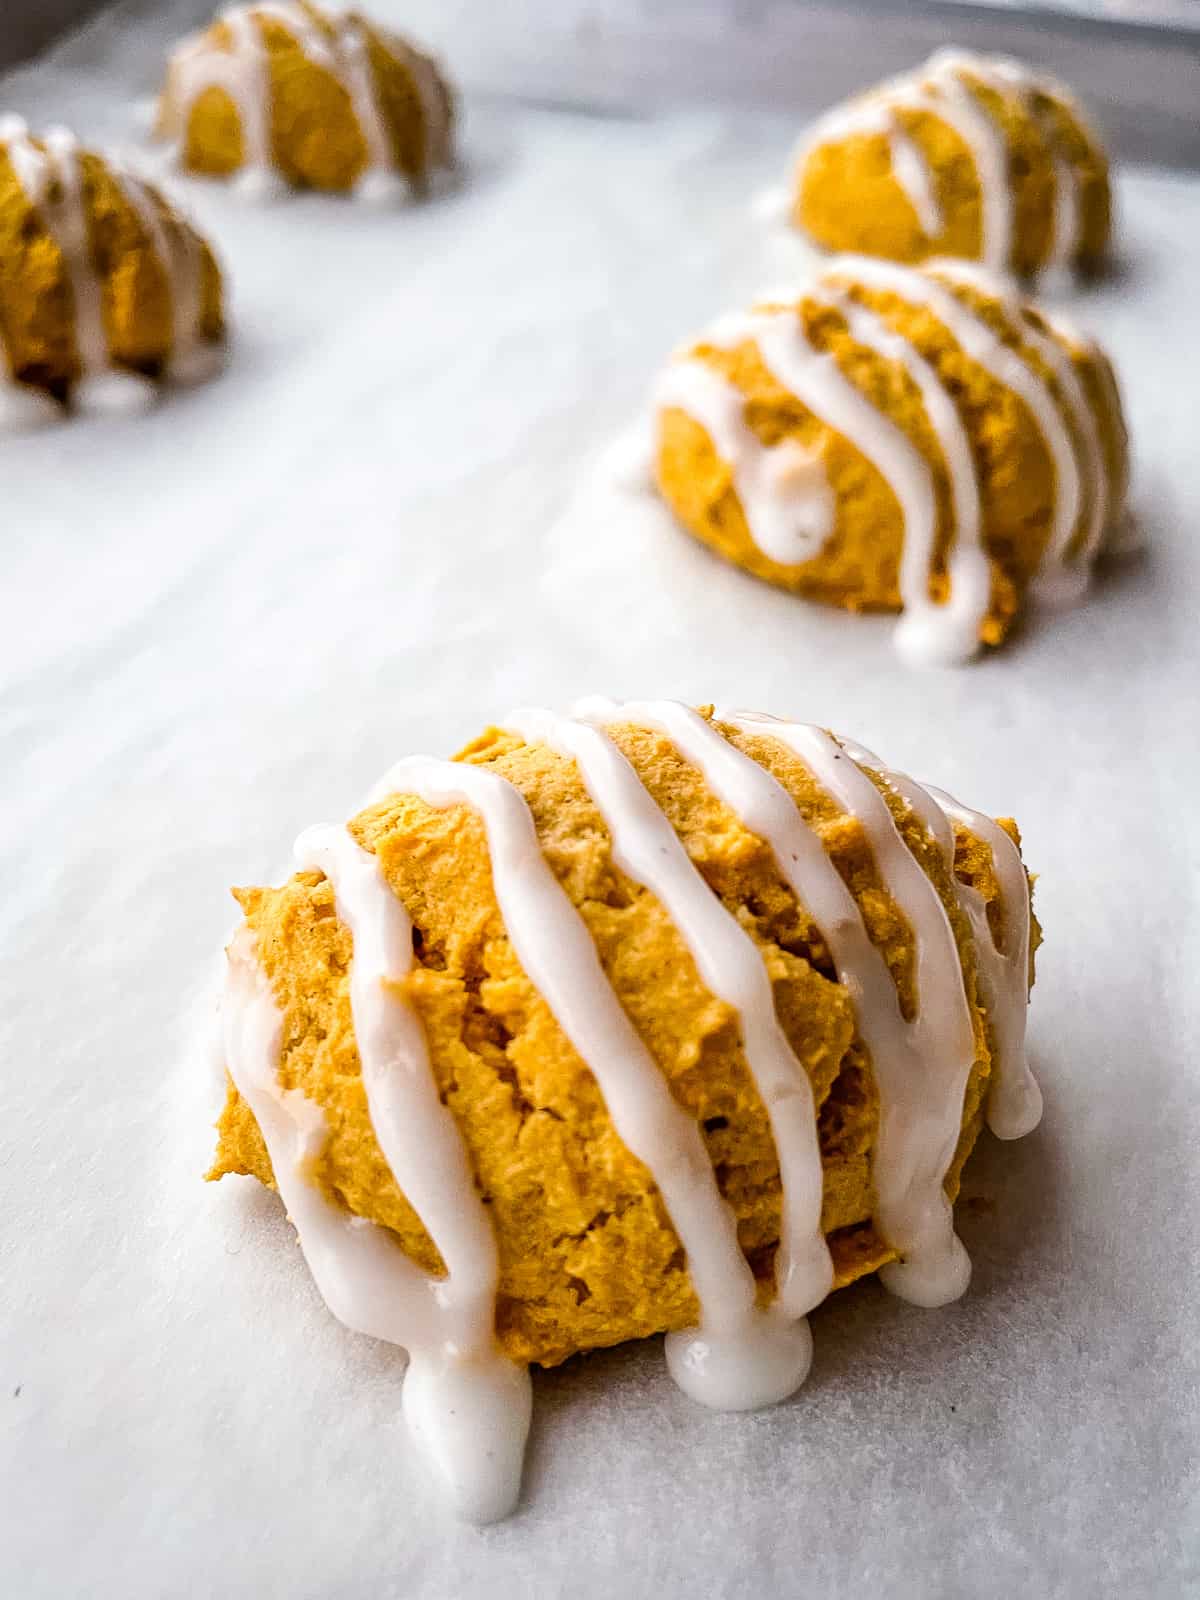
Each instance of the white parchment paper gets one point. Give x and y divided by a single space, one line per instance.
222 621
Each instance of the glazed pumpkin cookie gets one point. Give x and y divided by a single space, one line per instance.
973 156
641 1020
898 438
286 93
104 287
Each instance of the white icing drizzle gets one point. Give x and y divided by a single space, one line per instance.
978 341
556 951
784 495
646 847
921 1066
469 1406
1073 576
875 114
816 379
243 73
915 177
943 93
929 632
1014 1102
1011 77
1014 1106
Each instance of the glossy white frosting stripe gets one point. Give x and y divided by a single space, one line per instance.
921 1067
783 491
417 1134
344 56
52 183
978 341
1073 400
874 114
469 1408
646 847
1014 1103
944 95
558 955
928 631
804 1271
243 73
1011 77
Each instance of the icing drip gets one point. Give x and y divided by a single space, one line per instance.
988 145
875 114
466 1402
1014 1103
243 73
1014 1099
1031 89
469 1406
647 849
555 950
1007 367
921 1067
1073 576
942 88
785 498
929 632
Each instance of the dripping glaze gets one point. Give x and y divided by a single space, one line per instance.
467 1404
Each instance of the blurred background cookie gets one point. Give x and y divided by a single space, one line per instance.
286 93
970 155
104 287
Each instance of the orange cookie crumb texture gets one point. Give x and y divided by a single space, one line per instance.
104 287
290 94
897 438
969 155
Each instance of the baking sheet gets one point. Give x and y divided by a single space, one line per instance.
223 620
